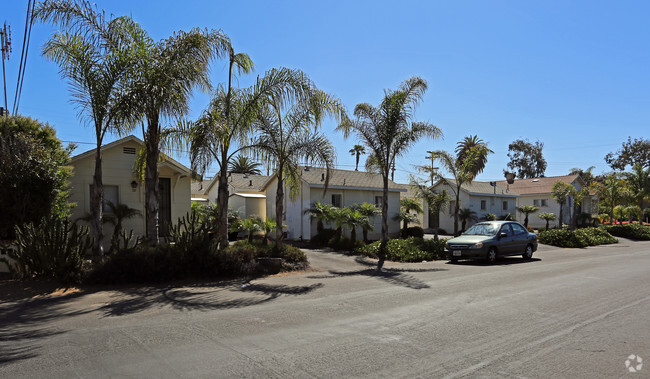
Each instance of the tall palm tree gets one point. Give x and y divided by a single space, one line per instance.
160 89
357 150
287 133
547 217
389 131
95 54
469 143
463 170
226 125
466 215
244 165
527 210
436 201
369 211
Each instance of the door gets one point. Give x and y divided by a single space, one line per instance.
520 238
164 206
505 245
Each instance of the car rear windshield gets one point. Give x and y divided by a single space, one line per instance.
482 230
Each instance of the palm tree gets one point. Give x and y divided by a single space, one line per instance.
527 209
321 211
611 192
244 165
119 213
466 215
464 147
287 133
161 88
406 206
435 201
96 55
547 217
639 182
357 150
559 192
369 211
389 131
267 227
228 122
463 167
251 225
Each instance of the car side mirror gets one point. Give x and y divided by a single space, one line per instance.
503 234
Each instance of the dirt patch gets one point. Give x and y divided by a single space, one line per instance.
14 290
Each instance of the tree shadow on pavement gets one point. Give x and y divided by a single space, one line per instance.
202 296
503 261
21 325
395 276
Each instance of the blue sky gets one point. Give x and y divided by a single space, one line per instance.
574 75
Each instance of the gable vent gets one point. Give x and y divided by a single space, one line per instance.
128 150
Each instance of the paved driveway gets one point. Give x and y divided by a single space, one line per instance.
568 313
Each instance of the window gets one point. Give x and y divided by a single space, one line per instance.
483 205
506 229
337 200
505 205
378 201
544 203
110 194
452 207
518 229
536 203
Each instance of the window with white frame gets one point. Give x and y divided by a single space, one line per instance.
337 200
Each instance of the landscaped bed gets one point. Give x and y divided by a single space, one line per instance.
576 238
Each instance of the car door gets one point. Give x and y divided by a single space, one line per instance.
520 238
505 244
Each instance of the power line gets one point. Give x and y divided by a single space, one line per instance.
5 46
23 55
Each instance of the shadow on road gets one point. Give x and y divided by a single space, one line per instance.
21 325
206 296
395 276
504 261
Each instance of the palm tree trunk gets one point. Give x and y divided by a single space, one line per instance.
384 222
97 211
279 209
357 166
222 208
151 180
560 223
526 221
435 234
365 235
456 211
353 236
547 223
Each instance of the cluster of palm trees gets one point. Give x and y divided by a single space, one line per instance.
121 78
623 195
358 216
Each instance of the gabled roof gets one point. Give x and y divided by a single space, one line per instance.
200 188
167 161
346 179
539 185
481 188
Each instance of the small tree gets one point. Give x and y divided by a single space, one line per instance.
119 213
435 201
559 192
407 206
547 217
527 210
320 211
466 215
251 225
267 227
33 174
369 211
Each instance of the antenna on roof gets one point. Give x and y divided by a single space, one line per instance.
510 178
494 186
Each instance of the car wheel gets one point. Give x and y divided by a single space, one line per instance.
528 254
492 255
453 260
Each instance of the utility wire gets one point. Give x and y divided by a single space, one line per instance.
23 55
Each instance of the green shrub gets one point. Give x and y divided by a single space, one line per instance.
344 244
415 231
54 249
631 231
579 238
411 249
143 264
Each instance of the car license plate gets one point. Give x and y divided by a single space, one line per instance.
456 253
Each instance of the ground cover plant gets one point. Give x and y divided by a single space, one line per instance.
576 238
631 231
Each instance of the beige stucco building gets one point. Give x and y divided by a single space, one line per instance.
122 186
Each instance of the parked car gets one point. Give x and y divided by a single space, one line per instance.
490 240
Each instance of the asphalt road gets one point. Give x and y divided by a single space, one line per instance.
577 313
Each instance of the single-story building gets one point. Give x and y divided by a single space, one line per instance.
245 193
122 186
345 189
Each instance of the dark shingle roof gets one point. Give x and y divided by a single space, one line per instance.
484 188
346 178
